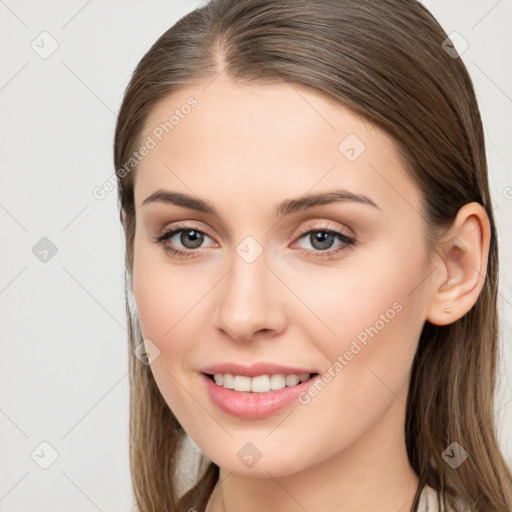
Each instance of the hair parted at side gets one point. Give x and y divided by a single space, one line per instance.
383 60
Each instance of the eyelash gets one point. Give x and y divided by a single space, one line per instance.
327 254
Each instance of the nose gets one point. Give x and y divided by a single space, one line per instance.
250 301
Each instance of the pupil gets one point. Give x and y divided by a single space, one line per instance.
325 240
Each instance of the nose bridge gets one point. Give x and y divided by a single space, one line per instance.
249 299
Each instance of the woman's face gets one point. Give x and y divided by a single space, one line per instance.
263 284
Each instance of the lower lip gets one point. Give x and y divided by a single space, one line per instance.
249 405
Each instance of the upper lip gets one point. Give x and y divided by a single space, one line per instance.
255 369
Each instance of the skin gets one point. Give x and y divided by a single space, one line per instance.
244 149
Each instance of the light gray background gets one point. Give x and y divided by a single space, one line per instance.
63 370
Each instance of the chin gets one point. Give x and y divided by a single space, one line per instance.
264 467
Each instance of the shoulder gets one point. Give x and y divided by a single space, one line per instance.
429 502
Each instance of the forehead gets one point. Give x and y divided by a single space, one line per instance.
269 138
221 107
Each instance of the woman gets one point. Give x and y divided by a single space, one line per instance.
312 255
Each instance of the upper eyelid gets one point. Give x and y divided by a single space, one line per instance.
301 231
324 227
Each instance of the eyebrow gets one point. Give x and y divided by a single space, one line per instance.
287 207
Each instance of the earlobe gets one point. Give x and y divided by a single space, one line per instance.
461 266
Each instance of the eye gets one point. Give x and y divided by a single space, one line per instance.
190 238
322 240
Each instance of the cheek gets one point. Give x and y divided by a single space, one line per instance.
163 300
370 356
379 295
164 295
375 316
154 305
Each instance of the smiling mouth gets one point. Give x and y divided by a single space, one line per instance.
260 383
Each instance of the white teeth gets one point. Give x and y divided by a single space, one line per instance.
242 383
227 381
259 384
292 380
277 382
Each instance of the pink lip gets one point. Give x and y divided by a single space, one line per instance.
256 369
249 405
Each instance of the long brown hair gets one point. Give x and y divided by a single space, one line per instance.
385 61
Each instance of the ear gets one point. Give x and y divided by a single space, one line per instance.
461 266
